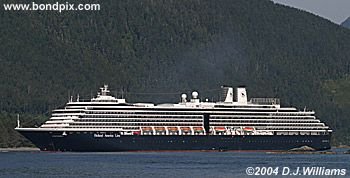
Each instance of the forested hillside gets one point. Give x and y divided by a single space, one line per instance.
171 47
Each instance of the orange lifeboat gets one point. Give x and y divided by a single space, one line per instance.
198 129
248 129
185 129
220 129
172 129
147 129
159 129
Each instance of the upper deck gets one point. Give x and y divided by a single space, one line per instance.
103 99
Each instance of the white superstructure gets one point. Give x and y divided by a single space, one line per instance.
234 115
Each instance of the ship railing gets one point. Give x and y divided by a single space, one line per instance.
84 100
265 101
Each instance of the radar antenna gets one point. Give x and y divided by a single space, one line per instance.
104 90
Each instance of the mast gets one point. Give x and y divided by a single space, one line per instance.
18 122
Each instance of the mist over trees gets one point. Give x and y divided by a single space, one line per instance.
346 23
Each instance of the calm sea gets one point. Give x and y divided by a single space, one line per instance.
159 164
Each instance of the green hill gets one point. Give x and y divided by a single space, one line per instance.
171 47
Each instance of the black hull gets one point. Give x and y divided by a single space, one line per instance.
95 142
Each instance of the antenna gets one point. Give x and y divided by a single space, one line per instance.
18 122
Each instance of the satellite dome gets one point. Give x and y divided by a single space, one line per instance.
194 95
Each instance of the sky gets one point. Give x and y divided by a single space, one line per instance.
336 11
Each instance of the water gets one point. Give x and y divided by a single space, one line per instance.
158 164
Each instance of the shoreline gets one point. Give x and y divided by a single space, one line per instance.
342 146
20 149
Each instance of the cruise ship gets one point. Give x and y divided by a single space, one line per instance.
107 123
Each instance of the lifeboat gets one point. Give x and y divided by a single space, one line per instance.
198 129
172 129
137 133
159 129
248 129
185 129
147 129
220 129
